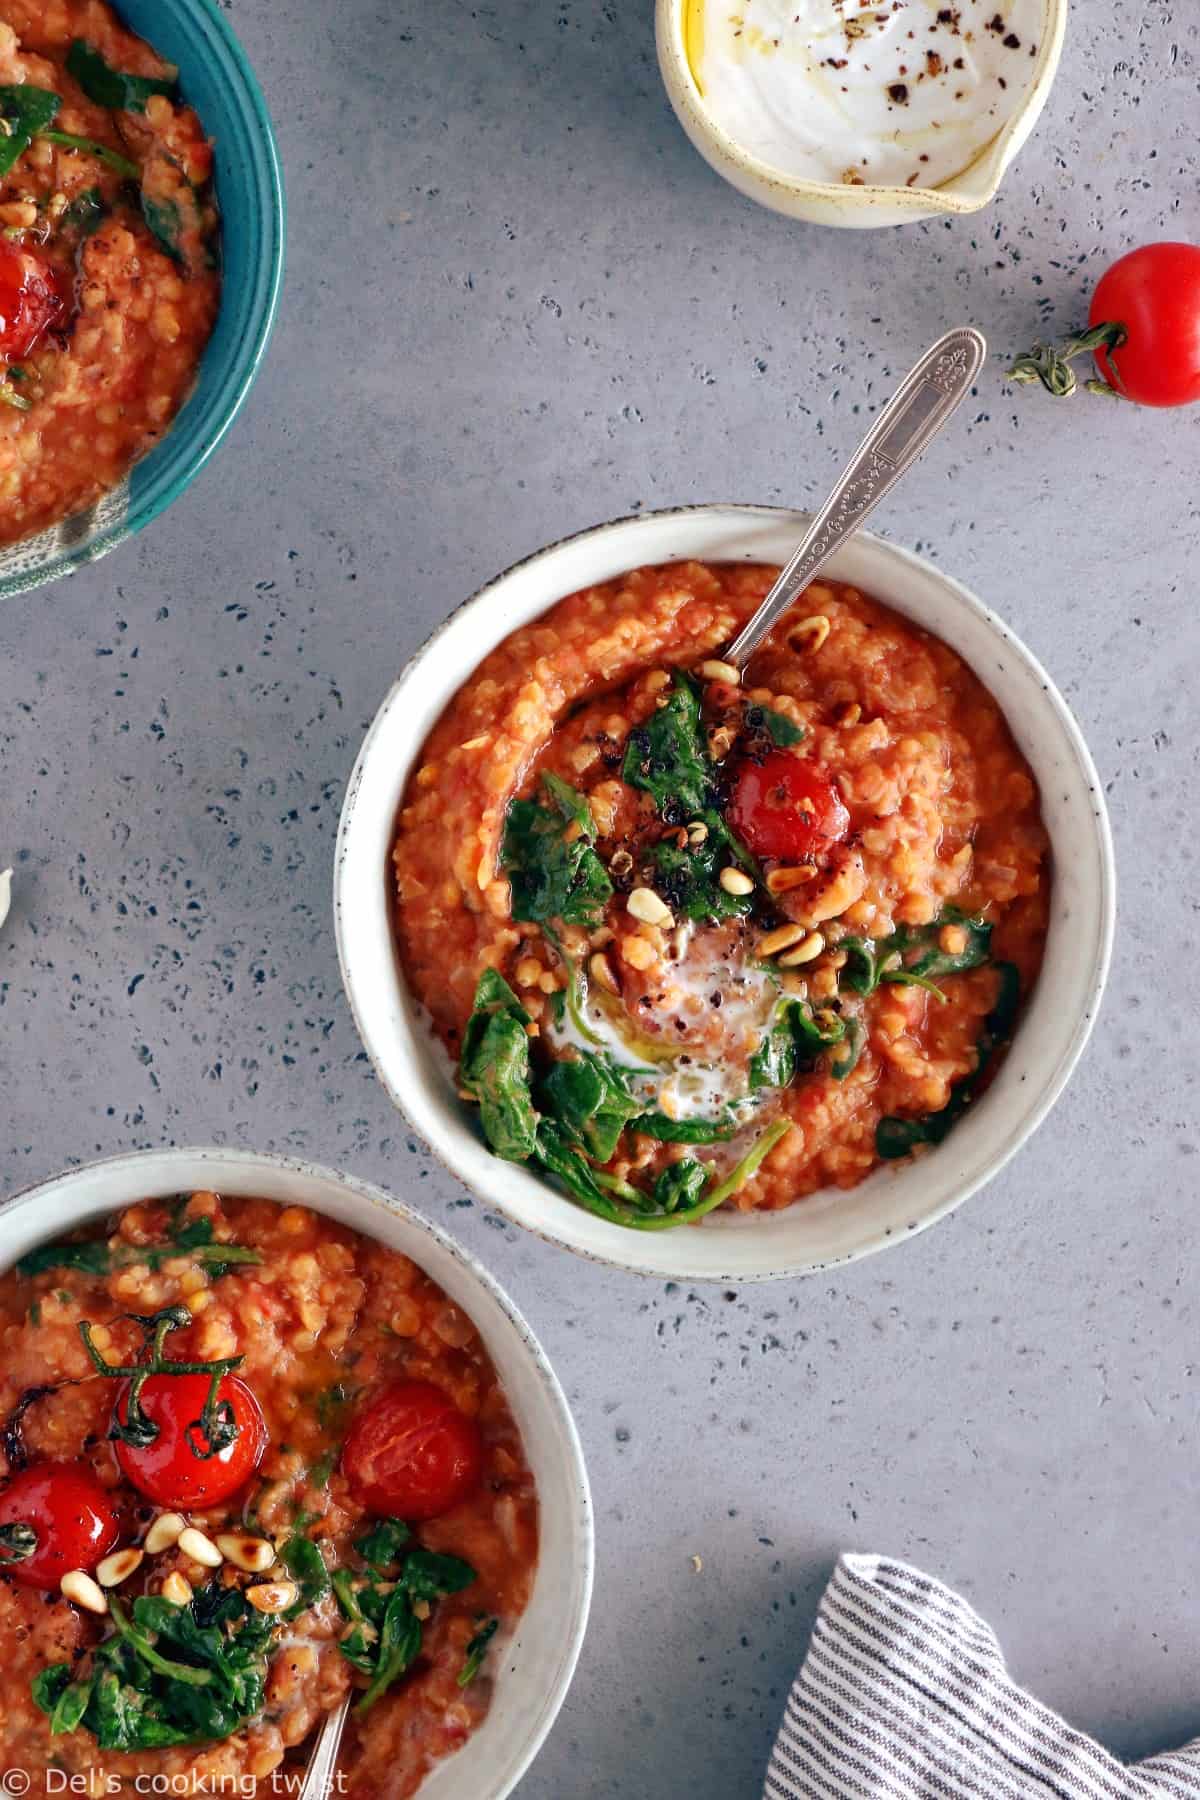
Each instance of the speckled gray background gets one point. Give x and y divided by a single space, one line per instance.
518 304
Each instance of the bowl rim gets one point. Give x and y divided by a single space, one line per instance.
446 1144
232 1164
145 500
997 153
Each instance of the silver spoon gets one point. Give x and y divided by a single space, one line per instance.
908 423
318 1779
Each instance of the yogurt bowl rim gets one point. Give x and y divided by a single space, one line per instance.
894 1201
561 1598
730 158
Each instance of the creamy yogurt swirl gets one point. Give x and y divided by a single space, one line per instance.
901 93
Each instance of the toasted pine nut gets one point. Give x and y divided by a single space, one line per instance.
714 670
952 939
79 1588
602 973
273 1596
809 634
201 1549
781 939
697 831
164 1532
806 952
782 881
177 1589
118 1567
246 1551
656 681
645 905
735 881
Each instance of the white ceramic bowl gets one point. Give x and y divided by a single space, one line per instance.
832 1226
828 203
539 1659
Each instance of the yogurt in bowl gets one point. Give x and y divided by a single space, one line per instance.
850 113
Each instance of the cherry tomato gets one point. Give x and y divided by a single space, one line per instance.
31 300
71 1514
169 1470
412 1453
786 807
1154 293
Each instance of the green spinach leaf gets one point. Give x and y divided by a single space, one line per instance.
476 1651
495 1068
764 721
680 1185
590 1098
384 1637
682 1131
551 875
109 87
689 879
555 1156
94 1256
26 111
384 1544
913 956
667 755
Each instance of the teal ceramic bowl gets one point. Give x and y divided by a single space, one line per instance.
217 80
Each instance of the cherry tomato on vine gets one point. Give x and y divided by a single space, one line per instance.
1154 294
174 1469
411 1453
70 1514
786 807
31 300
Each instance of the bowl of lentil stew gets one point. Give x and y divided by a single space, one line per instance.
140 300
1033 793
381 1372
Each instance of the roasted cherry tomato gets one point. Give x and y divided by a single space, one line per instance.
1154 294
70 1514
31 300
786 807
174 1470
411 1453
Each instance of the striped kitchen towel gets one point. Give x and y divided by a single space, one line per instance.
904 1696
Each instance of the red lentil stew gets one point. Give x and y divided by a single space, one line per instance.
697 940
253 1463
109 281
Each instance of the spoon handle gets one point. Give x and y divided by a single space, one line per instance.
319 1779
912 417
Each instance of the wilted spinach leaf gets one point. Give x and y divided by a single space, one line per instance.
476 1651
95 1257
667 755
895 1136
590 1098
680 1184
109 87
494 1066
553 875
913 955
26 111
764 721
688 879
681 1131
385 1633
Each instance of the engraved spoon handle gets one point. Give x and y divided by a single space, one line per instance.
911 419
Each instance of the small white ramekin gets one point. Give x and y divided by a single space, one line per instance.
832 1226
828 203
539 1659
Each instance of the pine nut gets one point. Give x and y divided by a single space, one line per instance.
809 634
602 973
735 881
244 1551
806 952
177 1589
697 831
273 1596
714 670
164 1532
782 881
645 905
79 1588
118 1567
952 939
201 1549
782 939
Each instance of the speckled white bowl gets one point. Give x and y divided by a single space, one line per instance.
536 1663
828 203
830 1227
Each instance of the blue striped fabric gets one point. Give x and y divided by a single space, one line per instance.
904 1696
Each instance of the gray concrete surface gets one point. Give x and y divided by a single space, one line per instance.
519 304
